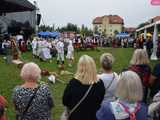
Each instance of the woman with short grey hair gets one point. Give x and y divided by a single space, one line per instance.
32 101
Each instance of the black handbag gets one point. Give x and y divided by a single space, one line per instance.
67 113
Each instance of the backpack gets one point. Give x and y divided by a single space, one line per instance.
132 116
143 72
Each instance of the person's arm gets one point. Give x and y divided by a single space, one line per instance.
104 113
49 97
152 79
67 95
155 74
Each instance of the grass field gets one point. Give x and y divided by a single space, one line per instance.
9 75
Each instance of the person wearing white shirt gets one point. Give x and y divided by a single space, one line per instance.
45 53
60 52
109 78
34 46
70 52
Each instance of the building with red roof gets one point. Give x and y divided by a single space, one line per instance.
108 25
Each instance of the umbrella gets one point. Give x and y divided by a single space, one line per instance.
49 34
148 34
122 35
54 34
44 34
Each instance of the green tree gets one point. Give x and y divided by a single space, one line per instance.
69 28
116 32
53 27
16 27
46 28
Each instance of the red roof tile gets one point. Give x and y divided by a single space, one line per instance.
97 20
157 18
130 29
113 19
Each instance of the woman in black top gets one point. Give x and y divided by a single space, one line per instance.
85 76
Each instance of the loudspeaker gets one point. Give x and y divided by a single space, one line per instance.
39 19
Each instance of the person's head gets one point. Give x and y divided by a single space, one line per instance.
30 72
140 56
106 61
129 87
86 70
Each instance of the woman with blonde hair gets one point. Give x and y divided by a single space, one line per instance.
108 77
32 101
140 64
129 92
84 93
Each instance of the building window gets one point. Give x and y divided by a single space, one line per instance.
110 30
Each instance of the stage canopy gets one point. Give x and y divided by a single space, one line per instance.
8 6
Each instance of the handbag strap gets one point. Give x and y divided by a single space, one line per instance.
132 115
82 99
110 82
30 101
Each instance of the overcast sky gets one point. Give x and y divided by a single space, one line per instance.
60 12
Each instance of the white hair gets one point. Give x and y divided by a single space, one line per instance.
129 87
30 72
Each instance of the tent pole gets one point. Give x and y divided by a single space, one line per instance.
155 38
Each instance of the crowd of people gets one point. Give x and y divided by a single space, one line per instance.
132 94
47 48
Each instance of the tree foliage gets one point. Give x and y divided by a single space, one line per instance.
141 25
46 28
83 30
16 27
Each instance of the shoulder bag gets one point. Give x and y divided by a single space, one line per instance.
66 114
